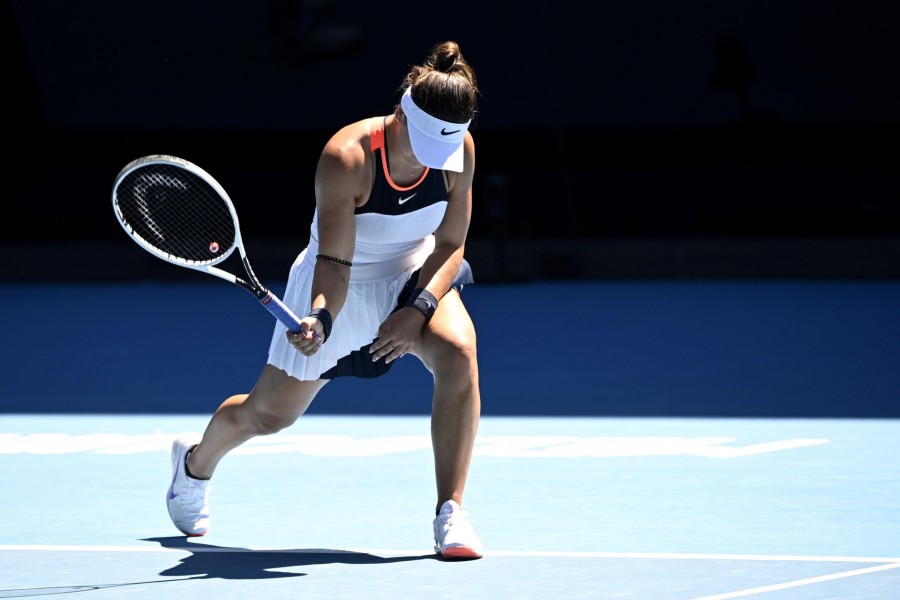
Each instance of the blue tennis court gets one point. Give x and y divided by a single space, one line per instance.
689 440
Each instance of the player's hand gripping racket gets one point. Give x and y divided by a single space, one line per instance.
176 211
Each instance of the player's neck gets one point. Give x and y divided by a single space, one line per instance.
402 162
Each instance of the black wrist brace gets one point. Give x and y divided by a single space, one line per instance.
423 301
324 317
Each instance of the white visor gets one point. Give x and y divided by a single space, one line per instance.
437 144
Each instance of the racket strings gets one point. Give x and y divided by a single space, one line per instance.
177 213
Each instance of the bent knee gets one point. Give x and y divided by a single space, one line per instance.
455 355
267 423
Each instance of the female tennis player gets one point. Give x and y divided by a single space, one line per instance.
380 278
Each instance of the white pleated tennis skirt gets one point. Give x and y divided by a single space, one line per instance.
371 296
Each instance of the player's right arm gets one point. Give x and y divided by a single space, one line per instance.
341 183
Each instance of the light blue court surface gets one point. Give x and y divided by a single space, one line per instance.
341 507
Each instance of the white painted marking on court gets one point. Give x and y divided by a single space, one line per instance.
891 561
798 583
344 445
716 451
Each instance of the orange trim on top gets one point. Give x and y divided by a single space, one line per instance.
376 142
376 138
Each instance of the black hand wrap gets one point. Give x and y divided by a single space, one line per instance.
324 317
423 301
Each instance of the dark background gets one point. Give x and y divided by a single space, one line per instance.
654 142
615 140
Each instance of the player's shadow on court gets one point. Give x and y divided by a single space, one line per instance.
221 562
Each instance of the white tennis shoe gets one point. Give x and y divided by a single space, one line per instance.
454 537
187 498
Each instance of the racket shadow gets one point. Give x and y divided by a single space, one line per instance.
207 561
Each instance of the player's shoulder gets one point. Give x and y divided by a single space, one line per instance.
345 158
351 142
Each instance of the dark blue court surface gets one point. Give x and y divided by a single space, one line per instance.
650 441
705 348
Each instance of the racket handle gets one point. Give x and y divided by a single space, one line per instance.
275 306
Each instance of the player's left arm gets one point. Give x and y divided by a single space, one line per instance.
403 328
440 268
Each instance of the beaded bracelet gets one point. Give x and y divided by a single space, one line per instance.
334 259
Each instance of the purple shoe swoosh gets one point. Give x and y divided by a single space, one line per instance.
172 494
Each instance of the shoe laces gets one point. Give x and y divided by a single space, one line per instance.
192 495
458 516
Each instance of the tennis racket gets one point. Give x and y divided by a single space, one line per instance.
176 211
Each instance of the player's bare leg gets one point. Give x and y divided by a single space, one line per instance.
448 349
275 403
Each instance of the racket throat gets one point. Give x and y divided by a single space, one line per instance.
255 287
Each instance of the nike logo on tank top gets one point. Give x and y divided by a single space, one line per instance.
399 214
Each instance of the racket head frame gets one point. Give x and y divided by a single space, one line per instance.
269 300
204 265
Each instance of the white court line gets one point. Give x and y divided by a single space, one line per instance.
798 583
894 561
507 446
